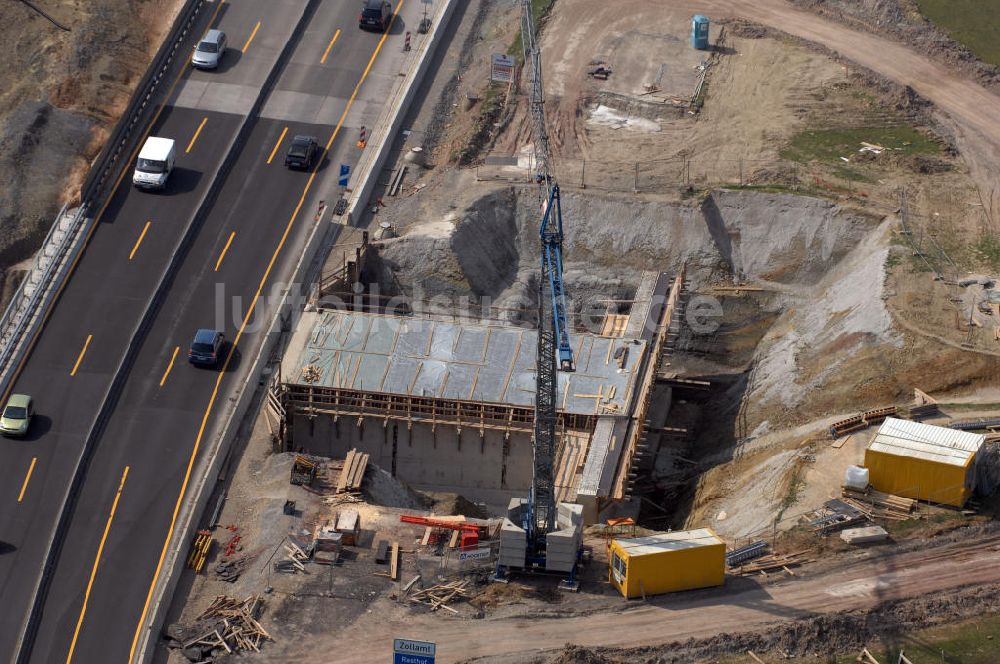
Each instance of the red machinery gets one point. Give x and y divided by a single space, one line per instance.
469 537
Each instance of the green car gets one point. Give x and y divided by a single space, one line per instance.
16 415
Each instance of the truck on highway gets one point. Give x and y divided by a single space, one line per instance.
156 160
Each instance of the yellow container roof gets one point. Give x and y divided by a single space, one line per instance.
673 541
926 441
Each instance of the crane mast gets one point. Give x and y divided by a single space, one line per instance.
554 352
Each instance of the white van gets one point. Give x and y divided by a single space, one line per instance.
156 160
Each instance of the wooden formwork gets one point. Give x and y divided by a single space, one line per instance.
638 426
316 400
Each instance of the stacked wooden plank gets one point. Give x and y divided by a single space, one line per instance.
861 420
394 562
614 325
439 596
878 415
231 624
774 562
847 426
879 505
199 550
353 472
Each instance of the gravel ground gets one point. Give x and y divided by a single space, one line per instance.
60 94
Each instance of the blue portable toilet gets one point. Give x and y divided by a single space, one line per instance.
699 32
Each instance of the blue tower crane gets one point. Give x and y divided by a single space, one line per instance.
536 516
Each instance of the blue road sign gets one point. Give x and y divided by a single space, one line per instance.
345 172
403 658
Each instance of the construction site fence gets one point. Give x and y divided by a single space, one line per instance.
481 557
678 173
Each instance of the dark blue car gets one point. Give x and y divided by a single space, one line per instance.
206 349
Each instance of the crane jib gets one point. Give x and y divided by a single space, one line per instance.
552 270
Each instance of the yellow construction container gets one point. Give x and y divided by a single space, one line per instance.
664 563
923 462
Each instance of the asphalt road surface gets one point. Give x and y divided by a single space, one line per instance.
99 593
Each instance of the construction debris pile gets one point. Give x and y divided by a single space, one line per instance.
773 562
227 626
439 596
754 559
231 566
877 505
835 515
295 557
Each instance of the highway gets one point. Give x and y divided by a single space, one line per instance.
99 595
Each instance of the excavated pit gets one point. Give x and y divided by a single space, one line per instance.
812 271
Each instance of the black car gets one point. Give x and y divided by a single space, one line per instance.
302 152
206 348
375 16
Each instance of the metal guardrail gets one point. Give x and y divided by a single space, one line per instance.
24 304
123 141
27 306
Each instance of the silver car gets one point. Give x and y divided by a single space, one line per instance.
208 53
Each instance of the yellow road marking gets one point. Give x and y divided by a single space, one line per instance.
83 351
232 348
212 22
196 132
97 220
278 144
139 241
170 366
224 250
97 562
24 487
329 46
252 35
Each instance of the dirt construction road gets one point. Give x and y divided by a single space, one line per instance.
743 605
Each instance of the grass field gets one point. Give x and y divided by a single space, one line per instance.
973 642
829 145
975 23
538 9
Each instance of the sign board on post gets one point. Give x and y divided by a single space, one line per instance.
474 554
408 651
345 172
502 68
